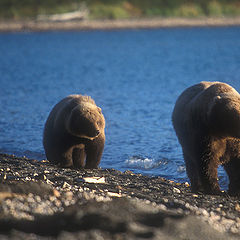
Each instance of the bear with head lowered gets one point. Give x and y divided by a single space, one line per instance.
74 133
206 119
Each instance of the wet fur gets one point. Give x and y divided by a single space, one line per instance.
64 143
206 118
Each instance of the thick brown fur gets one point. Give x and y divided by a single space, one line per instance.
206 119
74 132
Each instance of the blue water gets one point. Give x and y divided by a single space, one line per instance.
134 75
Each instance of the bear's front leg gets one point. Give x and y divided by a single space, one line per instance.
94 150
78 156
65 157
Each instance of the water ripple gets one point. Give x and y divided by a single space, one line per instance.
130 75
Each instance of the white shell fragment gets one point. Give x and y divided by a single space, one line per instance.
94 179
112 194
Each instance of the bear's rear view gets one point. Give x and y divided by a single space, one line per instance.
206 118
74 132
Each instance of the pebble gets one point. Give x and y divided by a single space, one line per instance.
237 207
66 185
56 193
48 181
69 195
165 200
162 207
221 213
52 198
58 203
214 217
38 199
187 184
176 190
204 212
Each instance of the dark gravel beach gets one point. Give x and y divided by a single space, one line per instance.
42 201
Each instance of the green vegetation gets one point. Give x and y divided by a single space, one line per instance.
18 9
109 11
118 9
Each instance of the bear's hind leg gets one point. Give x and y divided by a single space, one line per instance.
192 173
78 156
208 172
233 168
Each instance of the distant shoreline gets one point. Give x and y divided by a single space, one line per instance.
142 23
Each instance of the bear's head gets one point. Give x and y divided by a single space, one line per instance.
224 115
86 121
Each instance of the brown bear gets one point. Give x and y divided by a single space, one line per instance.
74 131
206 118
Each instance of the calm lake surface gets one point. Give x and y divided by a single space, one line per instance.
135 76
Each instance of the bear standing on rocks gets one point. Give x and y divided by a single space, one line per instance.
74 131
206 119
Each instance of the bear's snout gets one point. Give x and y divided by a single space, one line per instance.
92 134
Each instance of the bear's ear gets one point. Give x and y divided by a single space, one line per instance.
99 110
212 104
215 99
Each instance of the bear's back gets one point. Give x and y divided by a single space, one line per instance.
65 106
191 111
62 110
199 96
181 109
80 99
190 94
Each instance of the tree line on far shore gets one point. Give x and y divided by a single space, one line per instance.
118 9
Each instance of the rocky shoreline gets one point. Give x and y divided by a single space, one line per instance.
141 23
41 201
